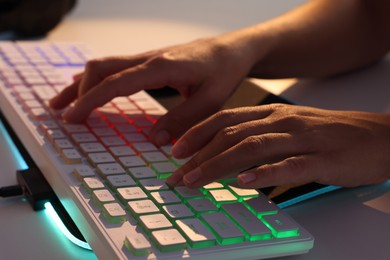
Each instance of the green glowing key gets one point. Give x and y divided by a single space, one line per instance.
281 225
225 230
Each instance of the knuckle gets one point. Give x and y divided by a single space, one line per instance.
296 165
226 115
254 144
226 132
93 65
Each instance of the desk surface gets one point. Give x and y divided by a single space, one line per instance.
347 224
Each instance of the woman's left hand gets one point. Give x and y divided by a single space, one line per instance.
284 144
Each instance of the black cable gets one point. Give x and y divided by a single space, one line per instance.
11 191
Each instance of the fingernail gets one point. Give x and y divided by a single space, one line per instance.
68 113
179 149
192 176
175 178
162 137
247 177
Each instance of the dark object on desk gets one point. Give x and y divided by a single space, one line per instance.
32 18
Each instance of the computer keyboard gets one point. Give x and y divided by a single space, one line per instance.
111 178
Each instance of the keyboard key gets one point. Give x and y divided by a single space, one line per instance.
198 236
164 169
253 226
165 197
142 172
82 171
87 148
138 244
178 211
118 181
102 196
154 157
145 147
140 207
97 158
281 225
114 213
92 183
106 169
261 206
153 184
131 193
227 232
154 221
222 196
70 156
168 240
187 193
121 150
202 205
132 161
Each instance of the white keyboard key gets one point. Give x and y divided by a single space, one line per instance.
92 147
154 184
155 221
114 213
222 196
196 232
83 171
262 205
92 183
83 137
112 140
97 158
145 147
117 181
167 149
60 144
169 240
248 221
106 169
188 193
142 172
213 185
102 196
177 211
121 150
132 193
132 161
165 197
140 207
138 244
71 156
134 137
75 128
154 157
281 225
244 192
164 167
125 128
225 229
105 131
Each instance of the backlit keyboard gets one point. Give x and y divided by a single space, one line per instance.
111 178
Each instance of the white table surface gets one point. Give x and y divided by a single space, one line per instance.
348 224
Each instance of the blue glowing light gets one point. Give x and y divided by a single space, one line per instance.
57 220
308 196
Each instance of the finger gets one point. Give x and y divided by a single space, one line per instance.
254 150
182 117
67 96
293 170
124 83
97 70
210 129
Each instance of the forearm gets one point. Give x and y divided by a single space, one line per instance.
320 38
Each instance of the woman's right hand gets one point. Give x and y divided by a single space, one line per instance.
206 72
